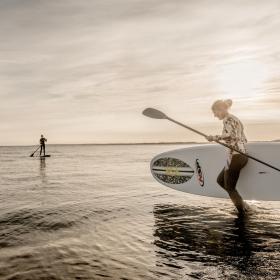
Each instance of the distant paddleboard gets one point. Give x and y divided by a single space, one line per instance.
195 169
45 156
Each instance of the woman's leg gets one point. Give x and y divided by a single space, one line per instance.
220 179
237 200
231 177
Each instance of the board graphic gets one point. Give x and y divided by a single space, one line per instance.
172 170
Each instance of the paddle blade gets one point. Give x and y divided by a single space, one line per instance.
154 113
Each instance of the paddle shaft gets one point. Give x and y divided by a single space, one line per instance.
221 143
35 151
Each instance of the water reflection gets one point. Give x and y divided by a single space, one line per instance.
191 234
43 170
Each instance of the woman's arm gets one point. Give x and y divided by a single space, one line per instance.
229 131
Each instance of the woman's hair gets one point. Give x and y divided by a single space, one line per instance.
222 104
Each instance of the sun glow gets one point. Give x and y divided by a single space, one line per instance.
243 79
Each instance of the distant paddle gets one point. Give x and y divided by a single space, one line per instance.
156 114
35 152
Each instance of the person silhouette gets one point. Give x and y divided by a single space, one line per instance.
43 146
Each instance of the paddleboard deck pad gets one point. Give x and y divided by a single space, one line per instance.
195 170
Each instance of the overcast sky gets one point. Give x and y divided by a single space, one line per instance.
83 71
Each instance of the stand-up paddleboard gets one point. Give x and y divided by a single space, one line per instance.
195 169
45 156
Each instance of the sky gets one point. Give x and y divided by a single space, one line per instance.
83 71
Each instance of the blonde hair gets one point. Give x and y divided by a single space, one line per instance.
222 104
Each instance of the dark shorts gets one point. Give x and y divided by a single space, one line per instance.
228 178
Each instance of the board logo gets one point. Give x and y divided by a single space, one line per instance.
199 173
172 171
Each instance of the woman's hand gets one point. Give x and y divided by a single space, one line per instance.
211 138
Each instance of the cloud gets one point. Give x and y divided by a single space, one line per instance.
71 62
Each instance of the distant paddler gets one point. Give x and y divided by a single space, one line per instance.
42 145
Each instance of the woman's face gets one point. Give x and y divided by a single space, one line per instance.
219 113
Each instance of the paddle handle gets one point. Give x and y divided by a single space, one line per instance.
224 144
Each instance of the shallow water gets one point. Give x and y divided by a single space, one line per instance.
95 212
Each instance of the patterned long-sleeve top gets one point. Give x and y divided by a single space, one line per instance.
233 133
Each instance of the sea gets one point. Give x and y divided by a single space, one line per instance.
95 212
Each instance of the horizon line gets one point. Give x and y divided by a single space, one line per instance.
123 143
107 144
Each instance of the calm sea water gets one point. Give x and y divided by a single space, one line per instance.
95 212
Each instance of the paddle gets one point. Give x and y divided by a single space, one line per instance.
156 114
35 151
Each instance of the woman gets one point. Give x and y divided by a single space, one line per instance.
233 135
